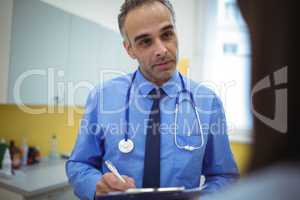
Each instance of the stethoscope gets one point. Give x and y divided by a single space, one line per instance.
126 145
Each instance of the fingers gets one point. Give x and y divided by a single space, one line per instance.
110 183
130 182
113 182
103 185
102 188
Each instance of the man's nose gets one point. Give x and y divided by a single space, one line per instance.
160 49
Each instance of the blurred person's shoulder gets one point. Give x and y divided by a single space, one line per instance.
277 182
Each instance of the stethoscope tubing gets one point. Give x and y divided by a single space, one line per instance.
192 101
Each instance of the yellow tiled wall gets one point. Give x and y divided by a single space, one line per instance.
39 128
241 153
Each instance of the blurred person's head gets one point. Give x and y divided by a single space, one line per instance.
272 28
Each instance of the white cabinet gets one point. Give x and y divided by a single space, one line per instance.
5 35
94 50
39 42
82 68
57 54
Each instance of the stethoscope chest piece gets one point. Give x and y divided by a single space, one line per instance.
126 146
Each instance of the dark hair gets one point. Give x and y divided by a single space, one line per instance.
129 5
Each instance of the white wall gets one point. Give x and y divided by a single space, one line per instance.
6 7
105 12
204 40
186 20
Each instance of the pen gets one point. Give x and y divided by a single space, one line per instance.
114 170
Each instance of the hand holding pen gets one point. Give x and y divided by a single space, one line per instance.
113 181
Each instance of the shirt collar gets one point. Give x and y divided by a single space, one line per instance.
171 87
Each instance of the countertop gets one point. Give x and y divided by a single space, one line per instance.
37 179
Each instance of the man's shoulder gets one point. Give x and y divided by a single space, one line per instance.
120 83
204 96
199 88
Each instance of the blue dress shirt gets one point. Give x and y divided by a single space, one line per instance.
103 126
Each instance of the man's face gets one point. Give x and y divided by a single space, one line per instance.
151 39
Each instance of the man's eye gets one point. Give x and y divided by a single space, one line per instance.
145 42
167 35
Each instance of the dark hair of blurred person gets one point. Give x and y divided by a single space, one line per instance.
274 171
273 33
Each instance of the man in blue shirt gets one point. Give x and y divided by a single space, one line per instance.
188 146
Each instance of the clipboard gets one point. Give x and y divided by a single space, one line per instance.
154 194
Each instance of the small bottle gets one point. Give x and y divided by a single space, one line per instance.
38 154
3 147
6 164
24 152
15 154
54 155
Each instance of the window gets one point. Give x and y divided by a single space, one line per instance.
229 68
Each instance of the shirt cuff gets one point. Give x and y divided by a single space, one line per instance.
88 189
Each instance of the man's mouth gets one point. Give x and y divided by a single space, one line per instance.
163 65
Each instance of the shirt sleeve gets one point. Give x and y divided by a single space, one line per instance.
219 167
84 166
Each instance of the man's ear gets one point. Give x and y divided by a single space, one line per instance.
129 49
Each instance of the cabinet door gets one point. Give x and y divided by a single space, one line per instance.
114 58
39 48
82 68
94 50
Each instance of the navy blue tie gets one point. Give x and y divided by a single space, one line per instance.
151 178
